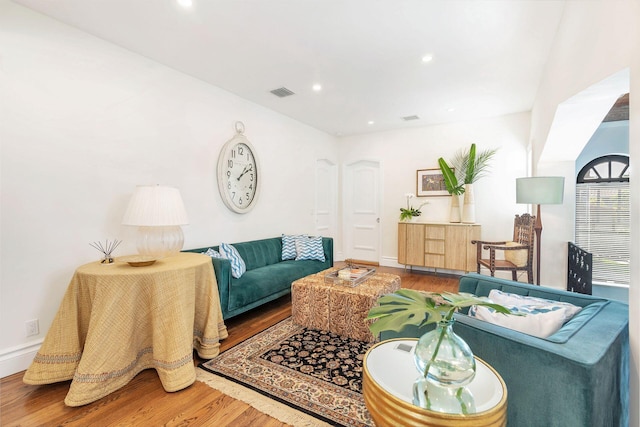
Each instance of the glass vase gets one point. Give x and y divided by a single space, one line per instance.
449 400
443 358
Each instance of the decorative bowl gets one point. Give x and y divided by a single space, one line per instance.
137 260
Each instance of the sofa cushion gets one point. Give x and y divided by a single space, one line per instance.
310 248
238 266
261 282
259 253
289 250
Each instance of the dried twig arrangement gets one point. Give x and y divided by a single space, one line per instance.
107 249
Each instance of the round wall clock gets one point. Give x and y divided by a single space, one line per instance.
238 173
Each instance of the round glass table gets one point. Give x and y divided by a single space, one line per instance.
389 374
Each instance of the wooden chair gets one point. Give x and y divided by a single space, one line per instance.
518 253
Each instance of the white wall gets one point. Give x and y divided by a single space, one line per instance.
595 40
83 122
403 152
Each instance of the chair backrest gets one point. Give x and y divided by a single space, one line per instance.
523 231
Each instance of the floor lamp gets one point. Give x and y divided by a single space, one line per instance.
539 190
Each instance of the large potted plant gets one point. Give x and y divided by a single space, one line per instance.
470 166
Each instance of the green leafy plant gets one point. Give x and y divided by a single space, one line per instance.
467 166
409 212
473 165
450 179
410 307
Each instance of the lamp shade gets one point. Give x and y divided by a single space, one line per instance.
158 212
155 205
540 190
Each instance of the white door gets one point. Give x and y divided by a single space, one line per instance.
362 211
326 198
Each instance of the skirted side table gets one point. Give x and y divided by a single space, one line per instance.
387 386
117 320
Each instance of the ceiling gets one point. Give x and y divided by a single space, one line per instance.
488 55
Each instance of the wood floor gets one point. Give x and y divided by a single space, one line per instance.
143 402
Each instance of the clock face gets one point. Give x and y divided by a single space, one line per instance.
238 174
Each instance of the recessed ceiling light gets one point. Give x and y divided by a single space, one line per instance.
187 4
370 122
427 58
451 109
317 87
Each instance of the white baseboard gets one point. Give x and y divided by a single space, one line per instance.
17 359
390 262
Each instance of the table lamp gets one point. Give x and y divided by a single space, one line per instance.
158 211
539 190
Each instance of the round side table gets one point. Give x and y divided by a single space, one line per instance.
387 386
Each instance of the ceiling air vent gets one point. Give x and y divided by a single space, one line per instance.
282 92
409 118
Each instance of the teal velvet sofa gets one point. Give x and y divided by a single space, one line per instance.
577 377
268 277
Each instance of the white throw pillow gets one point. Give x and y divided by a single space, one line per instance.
518 258
537 321
540 317
508 299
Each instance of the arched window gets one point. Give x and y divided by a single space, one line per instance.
602 217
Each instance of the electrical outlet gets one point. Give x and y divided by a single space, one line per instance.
32 327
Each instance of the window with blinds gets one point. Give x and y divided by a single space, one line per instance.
602 217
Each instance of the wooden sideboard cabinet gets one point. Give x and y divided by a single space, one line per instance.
438 245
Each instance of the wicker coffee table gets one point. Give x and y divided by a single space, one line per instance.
336 308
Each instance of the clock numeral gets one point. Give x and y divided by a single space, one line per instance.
251 177
230 163
241 150
228 174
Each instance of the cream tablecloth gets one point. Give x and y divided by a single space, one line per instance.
117 320
340 309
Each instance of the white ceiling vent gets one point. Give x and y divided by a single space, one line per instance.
282 92
409 118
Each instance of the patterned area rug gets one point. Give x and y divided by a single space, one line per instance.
317 372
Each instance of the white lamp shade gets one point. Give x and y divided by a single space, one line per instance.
155 205
540 190
158 212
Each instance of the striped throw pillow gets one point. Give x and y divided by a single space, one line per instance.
310 248
213 253
289 246
238 267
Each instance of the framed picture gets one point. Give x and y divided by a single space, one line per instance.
430 182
